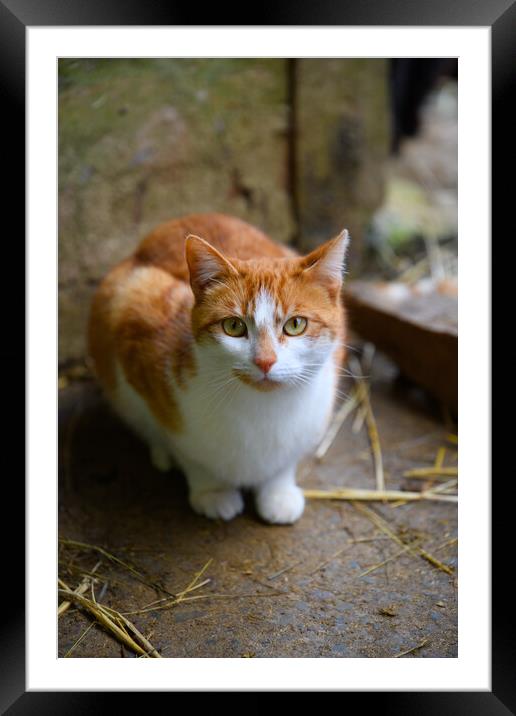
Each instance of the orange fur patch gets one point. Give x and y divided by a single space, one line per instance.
295 292
144 316
141 318
265 350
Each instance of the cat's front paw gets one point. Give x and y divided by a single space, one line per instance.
280 504
217 504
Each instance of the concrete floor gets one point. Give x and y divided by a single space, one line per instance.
287 595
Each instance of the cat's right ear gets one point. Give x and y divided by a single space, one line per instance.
326 263
206 265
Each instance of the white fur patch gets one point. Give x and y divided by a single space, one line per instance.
264 309
249 436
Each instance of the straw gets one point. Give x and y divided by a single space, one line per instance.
434 472
363 495
414 648
374 439
76 643
332 557
113 621
385 561
81 589
340 416
113 558
413 549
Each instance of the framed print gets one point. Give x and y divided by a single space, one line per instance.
256 122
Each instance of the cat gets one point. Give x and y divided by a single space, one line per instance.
222 350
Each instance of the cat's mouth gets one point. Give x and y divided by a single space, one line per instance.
263 383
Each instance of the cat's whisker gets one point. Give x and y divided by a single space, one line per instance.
216 388
221 394
233 391
226 398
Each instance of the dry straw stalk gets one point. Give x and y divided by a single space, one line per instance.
115 622
363 495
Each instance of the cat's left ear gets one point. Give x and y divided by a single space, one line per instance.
327 262
207 266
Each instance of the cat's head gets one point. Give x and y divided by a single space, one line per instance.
270 322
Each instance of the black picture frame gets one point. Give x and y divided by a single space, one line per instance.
15 17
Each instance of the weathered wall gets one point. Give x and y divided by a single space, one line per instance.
141 141
342 140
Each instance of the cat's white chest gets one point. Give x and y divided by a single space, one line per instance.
244 436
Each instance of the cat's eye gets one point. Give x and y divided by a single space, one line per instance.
295 326
234 327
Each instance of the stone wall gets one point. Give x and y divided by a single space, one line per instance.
294 146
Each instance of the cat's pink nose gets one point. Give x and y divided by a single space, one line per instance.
265 364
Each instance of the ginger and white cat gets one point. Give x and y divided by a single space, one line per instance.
222 349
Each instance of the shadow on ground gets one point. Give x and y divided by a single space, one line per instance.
277 591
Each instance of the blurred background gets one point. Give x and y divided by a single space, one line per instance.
302 148
299 147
